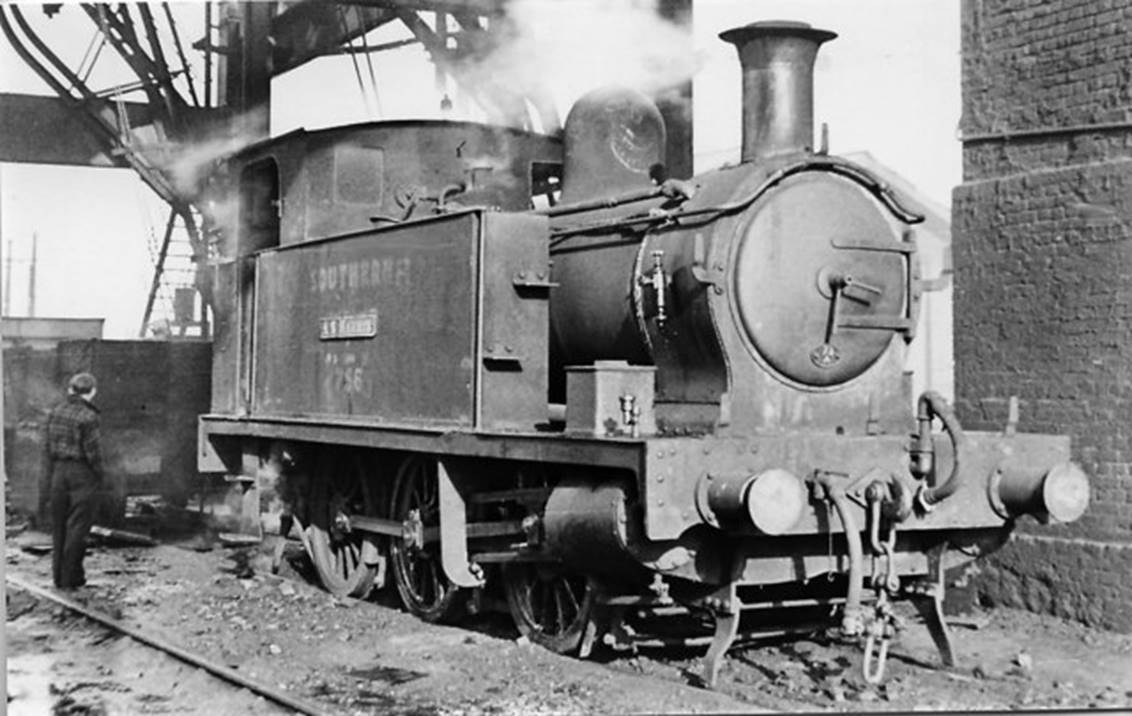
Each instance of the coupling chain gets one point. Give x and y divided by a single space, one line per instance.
831 574
889 580
883 623
880 630
888 548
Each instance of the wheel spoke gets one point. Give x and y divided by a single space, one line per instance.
434 587
526 598
559 610
568 589
350 560
547 606
424 583
414 577
569 605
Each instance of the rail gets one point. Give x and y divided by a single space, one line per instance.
160 644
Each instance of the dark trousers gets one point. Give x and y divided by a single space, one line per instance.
73 486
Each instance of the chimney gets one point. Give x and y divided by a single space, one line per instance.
777 58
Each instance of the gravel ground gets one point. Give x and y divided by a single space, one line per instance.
356 657
62 663
351 657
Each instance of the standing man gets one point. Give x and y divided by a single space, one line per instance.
73 460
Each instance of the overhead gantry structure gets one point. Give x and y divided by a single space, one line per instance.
184 95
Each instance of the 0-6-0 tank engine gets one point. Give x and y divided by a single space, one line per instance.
651 397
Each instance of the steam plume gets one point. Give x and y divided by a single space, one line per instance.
192 160
574 47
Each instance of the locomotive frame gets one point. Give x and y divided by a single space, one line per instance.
624 402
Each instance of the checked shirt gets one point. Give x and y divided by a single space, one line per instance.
73 434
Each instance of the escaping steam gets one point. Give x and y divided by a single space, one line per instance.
191 162
569 48
541 57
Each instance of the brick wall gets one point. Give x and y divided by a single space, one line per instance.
1042 232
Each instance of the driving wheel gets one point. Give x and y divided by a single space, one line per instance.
549 607
346 560
415 557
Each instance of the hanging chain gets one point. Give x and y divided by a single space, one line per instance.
888 547
883 624
882 627
831 574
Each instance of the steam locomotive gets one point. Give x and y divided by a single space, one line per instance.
481 363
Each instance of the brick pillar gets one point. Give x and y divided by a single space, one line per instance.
1042 232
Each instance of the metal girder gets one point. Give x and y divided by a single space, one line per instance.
244 66
303 31
85 127
504 104
77 96
45 130
306 30
483 8
118 27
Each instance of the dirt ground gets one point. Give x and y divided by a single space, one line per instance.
61 663
356 657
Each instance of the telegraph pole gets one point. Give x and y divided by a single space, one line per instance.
8 280
31 276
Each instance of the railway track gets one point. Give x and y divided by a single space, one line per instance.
299 648
232 677
357 657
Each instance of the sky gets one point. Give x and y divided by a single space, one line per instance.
889 84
